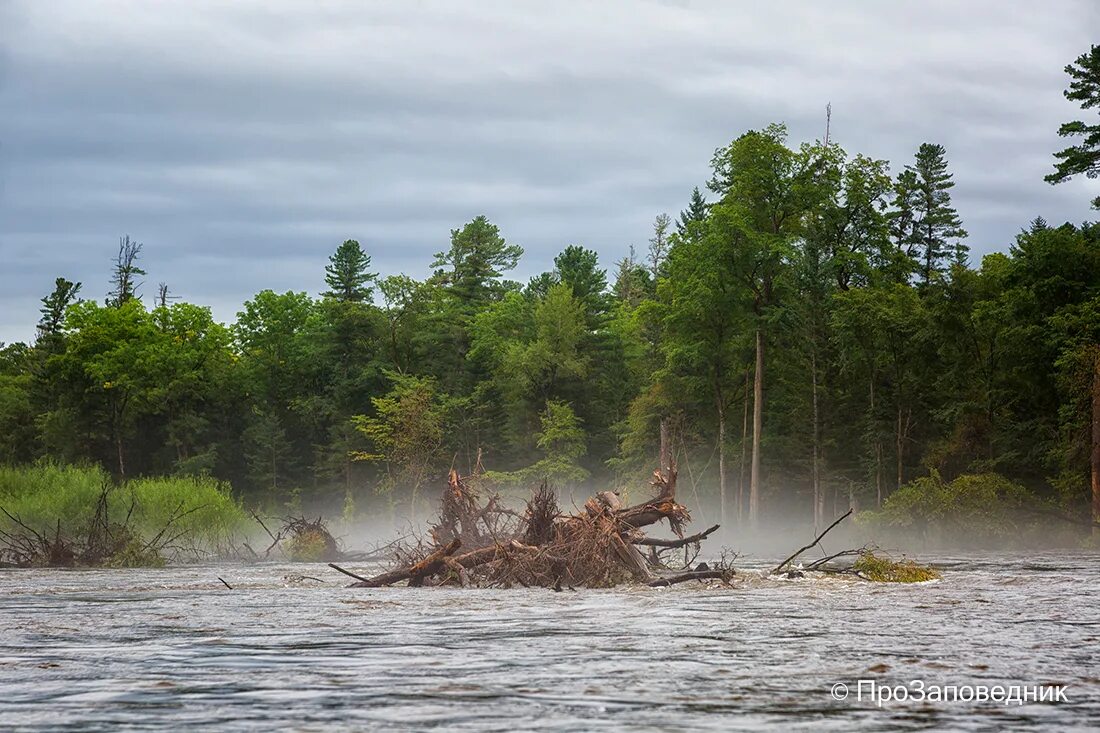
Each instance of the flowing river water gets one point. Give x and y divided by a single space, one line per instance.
175 649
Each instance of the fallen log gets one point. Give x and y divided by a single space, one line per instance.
414 573
664 506
672 544
348 573
693 575
631 558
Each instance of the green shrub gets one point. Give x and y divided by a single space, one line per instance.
142 516
974 508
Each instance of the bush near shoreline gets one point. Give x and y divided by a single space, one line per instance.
77 516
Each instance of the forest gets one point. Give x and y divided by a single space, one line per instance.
809 331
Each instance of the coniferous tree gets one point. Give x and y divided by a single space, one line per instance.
54 305
477 258
693 215
579 268
937 231
348 275
1084 157
658 245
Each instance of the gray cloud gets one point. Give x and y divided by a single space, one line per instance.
242 141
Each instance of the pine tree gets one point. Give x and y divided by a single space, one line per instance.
54 306
1085 88
347 273
937 231
477 258
693 215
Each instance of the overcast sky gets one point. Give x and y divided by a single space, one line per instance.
242 141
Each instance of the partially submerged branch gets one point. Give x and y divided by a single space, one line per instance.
817 539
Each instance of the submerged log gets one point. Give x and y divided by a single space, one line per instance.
693 575
430 565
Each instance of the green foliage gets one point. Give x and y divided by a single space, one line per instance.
886 356
925 224
348 275
194 513
1085 156
974 508
406 434
54 306
882 569
692 218
561 440
477 258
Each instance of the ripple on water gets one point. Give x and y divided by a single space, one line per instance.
173 648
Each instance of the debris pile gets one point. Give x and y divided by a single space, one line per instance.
477 541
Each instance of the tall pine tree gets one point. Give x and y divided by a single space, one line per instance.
1085 157
924 222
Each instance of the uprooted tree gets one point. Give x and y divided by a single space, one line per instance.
479 541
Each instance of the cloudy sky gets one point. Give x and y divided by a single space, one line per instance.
242 141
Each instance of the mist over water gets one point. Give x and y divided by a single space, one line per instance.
780 531
174 648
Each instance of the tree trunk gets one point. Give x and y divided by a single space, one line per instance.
902 433
664 457
878 449
744 449
121 464
721 459
1095 462
757 425
819 500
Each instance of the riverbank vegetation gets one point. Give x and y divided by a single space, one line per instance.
70 516
810 333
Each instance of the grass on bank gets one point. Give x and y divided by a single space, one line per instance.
141 522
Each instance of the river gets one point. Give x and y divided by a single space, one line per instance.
174 648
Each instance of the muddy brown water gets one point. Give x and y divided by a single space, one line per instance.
175 649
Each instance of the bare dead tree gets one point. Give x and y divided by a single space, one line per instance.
126 273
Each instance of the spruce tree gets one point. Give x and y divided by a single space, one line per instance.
694 214
347 273
1085 157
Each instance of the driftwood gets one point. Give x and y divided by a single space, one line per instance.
673 544
541 546
817 539
693 575
414 573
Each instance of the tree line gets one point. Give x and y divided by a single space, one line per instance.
809 330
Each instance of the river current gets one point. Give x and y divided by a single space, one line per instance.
290 647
